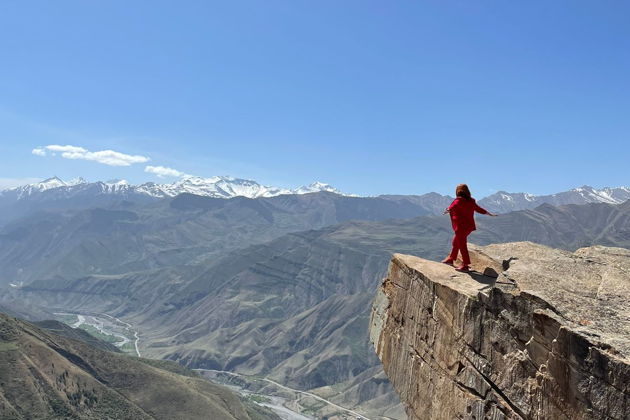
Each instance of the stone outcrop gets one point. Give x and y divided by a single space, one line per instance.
549 338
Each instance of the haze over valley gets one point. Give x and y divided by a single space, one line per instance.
276 287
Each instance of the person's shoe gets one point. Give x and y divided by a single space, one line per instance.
447 261
463 268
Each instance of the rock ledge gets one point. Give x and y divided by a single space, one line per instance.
549 338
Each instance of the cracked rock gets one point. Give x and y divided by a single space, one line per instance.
555 344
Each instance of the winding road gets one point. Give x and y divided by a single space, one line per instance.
81 320
310 394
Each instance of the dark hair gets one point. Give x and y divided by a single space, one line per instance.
463 191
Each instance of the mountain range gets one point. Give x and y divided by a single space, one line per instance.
217 186
54 193
277 286
503 202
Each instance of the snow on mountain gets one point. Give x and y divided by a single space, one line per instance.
76 181
228 187
217 186
504 202
605 195
56 185
45 185
316 187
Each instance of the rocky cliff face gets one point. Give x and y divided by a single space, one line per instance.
549 338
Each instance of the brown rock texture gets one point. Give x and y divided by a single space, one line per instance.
549 338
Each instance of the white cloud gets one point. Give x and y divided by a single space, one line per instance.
39 151
106 157
162 171
66 149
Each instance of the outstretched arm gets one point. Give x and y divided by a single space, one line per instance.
481 210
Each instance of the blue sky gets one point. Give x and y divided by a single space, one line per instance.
370 96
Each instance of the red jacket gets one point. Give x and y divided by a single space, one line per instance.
462 213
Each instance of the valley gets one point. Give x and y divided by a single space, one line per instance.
105 327
122 335
276 288
288 403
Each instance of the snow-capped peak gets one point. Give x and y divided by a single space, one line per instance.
117 182
316 187
76 181
52 182
226 187
604 195
38 187
504 202
216 186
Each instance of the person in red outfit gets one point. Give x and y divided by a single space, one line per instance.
462 211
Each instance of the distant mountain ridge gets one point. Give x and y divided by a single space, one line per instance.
503 202
228 187
216 187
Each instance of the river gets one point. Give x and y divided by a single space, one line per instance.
107 325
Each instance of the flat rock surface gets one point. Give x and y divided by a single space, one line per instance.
546 335
468 283
589 288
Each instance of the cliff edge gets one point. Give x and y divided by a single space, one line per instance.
547 338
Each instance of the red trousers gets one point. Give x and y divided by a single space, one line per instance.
460 244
